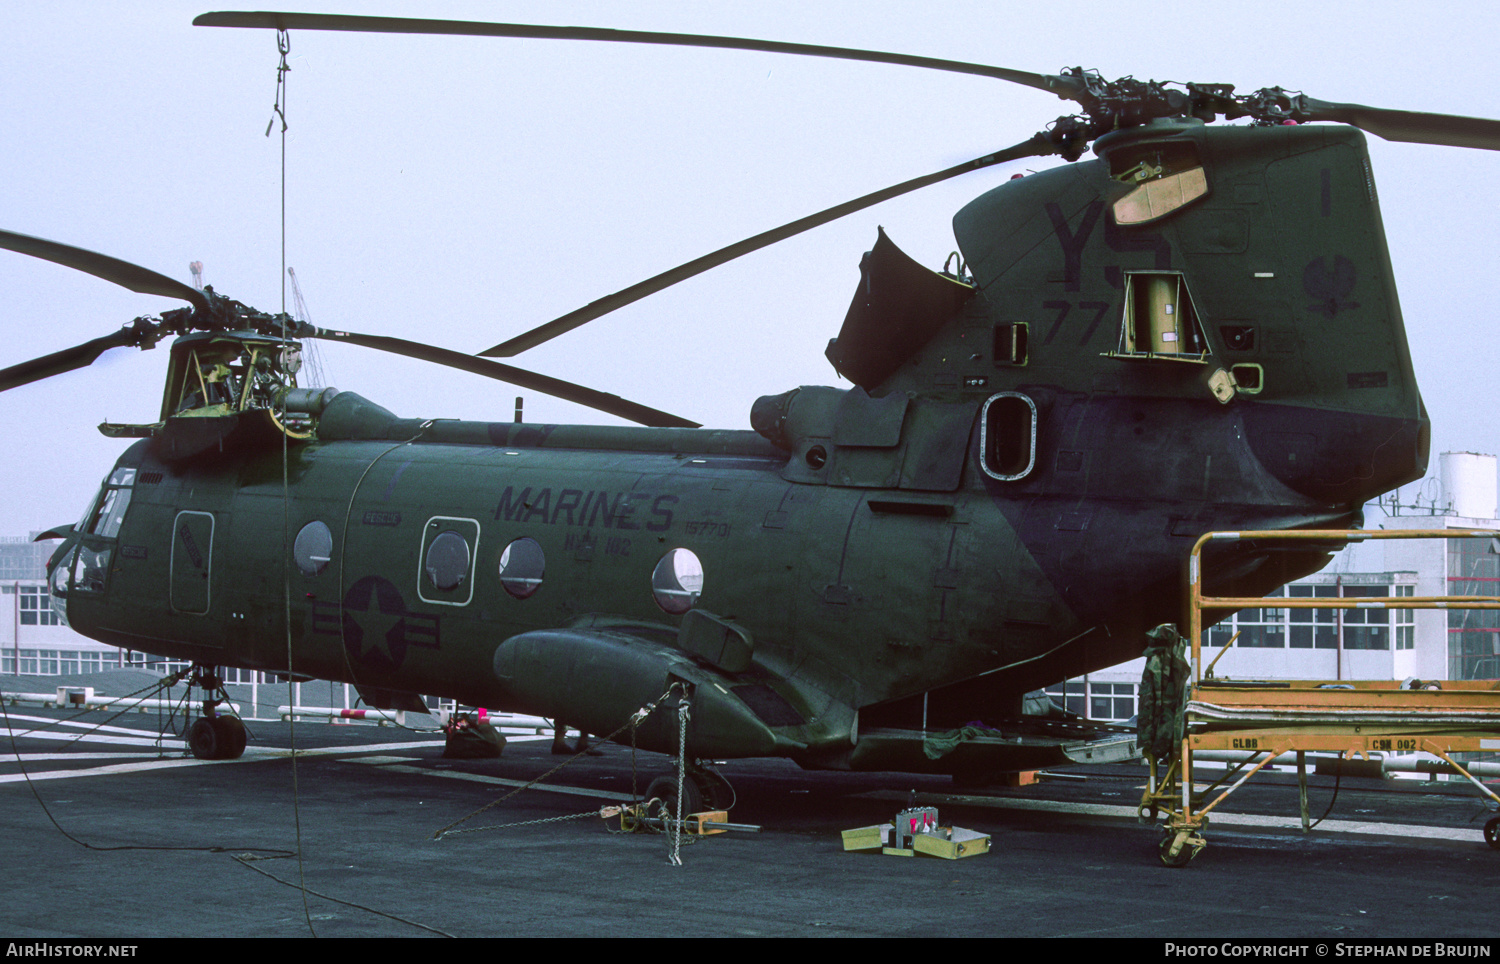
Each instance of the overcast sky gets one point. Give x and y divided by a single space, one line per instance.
460 190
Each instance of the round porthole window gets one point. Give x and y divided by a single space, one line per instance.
521 567
447 560
313 548
678 581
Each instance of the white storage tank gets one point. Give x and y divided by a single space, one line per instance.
1469 484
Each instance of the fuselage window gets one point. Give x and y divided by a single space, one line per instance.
313 548
447 560
521 567
445 569
678 581
1007 436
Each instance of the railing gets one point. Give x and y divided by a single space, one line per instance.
1265 718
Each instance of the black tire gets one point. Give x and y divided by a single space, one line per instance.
1183 856
1492 832
232 737
204 740
664 791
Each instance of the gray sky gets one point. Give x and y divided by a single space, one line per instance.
460 190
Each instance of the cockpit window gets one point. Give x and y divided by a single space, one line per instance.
90 569
112 504
61 575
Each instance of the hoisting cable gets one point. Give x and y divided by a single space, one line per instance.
30 785
284 47
245 860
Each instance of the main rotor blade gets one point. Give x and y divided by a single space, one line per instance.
79 356
1411 126
600 401
122 273
1062 86
1036 146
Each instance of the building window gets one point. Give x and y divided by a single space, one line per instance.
1105 702
36 608
1363 629
40 662
1367 628
1404 621
95 662
1473 634
59 662
1071 696
1258 628
156 664
1111 701
1313 628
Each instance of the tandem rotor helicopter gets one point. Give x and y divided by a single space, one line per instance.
1196 329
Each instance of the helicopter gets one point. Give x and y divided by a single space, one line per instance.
1198 330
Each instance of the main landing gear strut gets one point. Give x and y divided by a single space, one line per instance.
214 737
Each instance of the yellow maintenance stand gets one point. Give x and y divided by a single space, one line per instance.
1264 719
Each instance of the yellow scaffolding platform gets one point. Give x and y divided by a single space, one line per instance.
1265 719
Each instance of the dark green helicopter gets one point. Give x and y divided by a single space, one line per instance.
1197 330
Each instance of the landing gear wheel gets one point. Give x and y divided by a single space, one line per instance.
230 731
713 789
204 739
663 790
1183 856
1492 832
